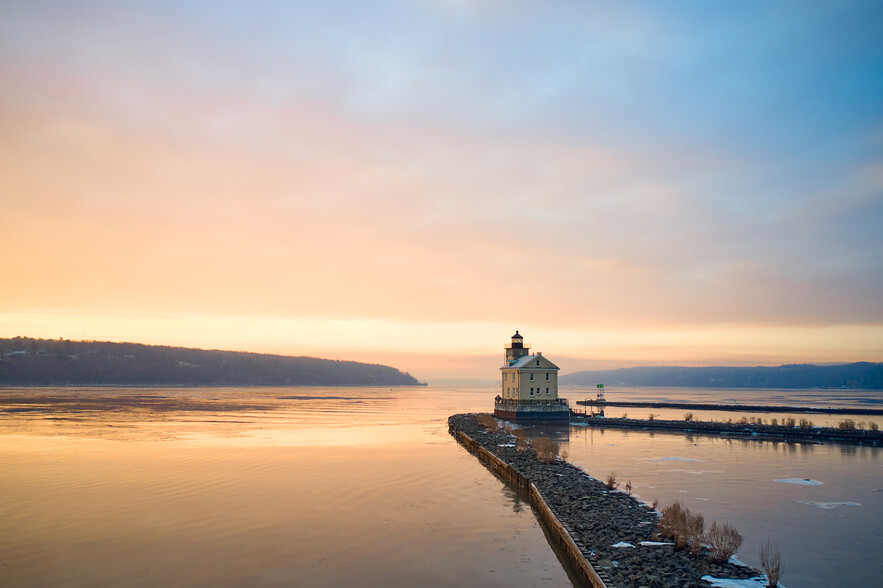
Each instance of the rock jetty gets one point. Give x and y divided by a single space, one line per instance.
615 532
802 433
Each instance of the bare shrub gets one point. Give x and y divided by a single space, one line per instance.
672 520
651 417
547 449
805 424
860 425
771 562
563 454
628 487
723 541
625 415
873 426
694 529
488 422
847 424
774 422
789 422
743 420
688 417
520 439
655 504
612 484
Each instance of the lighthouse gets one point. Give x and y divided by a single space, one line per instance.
529 386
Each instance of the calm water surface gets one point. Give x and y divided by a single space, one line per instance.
254 487
330 487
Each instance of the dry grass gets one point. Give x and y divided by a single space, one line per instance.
674 524
723 541
612 484
771 562
547 449
628 487
520 439
488 422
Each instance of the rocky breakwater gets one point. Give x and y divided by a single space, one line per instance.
615 532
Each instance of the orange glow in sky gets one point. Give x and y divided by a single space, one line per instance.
412 187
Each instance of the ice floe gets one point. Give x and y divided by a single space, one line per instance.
622 544
755 582
828 505
800 481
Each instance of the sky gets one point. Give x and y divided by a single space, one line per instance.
410 182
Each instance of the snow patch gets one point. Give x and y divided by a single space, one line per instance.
622 544
506 445
654 543
828 505
756 582
800 481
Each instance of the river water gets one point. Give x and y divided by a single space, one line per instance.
335 487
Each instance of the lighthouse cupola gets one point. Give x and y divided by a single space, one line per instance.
516 348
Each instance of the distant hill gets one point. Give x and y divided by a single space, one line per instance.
852 375
25 361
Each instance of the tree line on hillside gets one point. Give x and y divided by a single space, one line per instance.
860 375
26 361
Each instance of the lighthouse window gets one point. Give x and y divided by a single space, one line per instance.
531 377
547 376
538 363
547 390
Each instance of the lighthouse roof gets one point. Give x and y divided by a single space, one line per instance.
526 360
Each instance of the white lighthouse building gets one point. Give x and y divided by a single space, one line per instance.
529 386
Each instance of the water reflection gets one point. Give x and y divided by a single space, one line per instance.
249 487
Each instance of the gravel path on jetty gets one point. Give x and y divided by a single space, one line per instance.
600 521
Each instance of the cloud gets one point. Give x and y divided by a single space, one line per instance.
443 163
